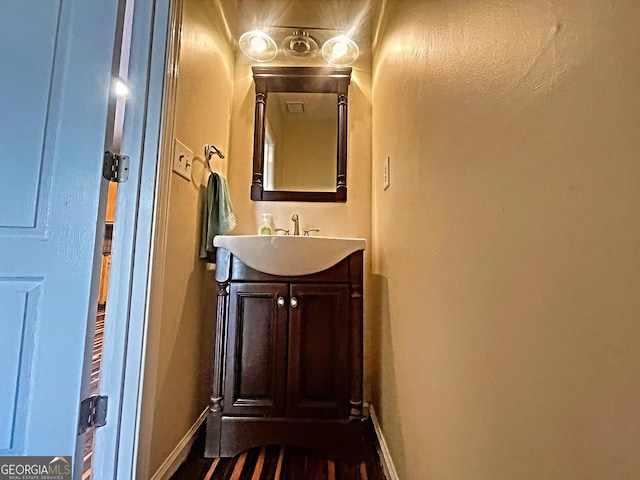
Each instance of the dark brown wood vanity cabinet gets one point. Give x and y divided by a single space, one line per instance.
287 359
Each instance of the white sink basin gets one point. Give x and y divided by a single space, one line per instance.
289 255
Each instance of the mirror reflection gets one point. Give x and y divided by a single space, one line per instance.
300 142
300 134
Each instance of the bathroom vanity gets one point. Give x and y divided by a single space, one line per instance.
288 348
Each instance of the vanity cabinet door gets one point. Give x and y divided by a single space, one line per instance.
318 365
256 349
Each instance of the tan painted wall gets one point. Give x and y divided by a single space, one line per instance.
178 369
507 248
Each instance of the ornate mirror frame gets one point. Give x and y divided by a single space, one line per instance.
308 80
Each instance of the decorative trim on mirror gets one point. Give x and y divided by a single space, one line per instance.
309 80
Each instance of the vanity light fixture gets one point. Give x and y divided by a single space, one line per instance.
258 46
340 51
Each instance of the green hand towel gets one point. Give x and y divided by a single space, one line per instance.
218 217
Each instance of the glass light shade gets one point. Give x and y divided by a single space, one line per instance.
300 44
258 46
340 50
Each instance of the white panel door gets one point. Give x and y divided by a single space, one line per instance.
55 62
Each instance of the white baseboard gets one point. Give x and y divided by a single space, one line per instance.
179 454
383 450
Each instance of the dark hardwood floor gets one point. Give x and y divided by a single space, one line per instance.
94 388
278 462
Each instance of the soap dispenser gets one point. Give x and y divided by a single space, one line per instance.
265 227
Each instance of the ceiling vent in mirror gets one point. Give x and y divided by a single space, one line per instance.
300 44
295 107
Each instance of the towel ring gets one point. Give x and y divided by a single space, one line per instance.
210 151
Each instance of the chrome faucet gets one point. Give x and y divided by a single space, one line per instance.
296 224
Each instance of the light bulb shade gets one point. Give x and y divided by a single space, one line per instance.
300 44
258 46
340 51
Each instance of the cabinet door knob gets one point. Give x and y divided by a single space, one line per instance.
294 302
281 301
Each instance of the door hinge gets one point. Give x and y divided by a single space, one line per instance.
115 167
93 413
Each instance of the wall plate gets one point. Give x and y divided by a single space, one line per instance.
182 160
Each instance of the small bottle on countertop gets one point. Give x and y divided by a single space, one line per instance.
265 227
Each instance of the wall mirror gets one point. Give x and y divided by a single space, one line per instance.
300 134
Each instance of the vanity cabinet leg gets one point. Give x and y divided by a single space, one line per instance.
355 334
214 419
212 445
